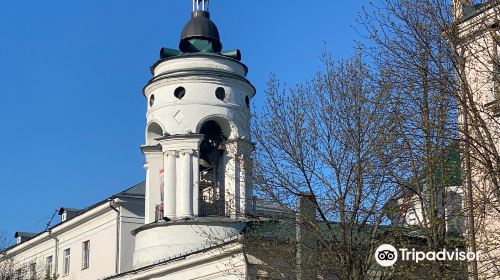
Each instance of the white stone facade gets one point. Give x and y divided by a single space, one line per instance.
106 227
479 43
200 76
173 138
198 176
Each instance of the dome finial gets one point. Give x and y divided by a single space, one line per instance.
200 34
200 5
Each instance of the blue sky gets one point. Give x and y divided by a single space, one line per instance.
72 114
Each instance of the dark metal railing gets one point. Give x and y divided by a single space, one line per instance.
215 208
211 196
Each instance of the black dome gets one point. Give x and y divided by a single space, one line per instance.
200 27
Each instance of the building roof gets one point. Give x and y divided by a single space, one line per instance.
277 230
67 209
472 10
200 34
25 234
136 191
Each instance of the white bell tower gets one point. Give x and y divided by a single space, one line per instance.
198 146
197 150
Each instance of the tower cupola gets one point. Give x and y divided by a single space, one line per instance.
200 34
197 145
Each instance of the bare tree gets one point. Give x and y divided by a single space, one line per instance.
11 270
330 140
6 264
442 70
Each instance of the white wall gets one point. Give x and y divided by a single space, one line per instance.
225 263
132 217
99 226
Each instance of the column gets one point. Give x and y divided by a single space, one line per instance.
185 189
148 215
244 182
196 183
238 180
231 181
153 165
170 184
181 163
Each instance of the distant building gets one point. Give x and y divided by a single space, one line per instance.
409 206
478 41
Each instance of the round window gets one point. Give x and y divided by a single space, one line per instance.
220 93
180 92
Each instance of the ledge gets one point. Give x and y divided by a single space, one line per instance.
184 55
221 221
181 136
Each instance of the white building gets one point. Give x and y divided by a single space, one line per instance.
410 211
198 187
478 40
188 219
86 244
474 203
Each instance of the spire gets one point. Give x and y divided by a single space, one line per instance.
200 34
201 5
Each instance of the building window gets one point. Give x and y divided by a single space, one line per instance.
19 274
179 92
220 93
66 261
247 101
48 267
152 100
85 254
33 271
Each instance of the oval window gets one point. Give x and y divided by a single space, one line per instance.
247 101
179 92
151 100
220 93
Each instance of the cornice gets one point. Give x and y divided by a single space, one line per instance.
204 55
151 149
181 136
200 74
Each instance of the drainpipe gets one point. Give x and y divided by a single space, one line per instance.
117 257
56 255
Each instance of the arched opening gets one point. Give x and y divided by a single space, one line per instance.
211 170
154 132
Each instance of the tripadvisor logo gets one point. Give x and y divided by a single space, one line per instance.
387 255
